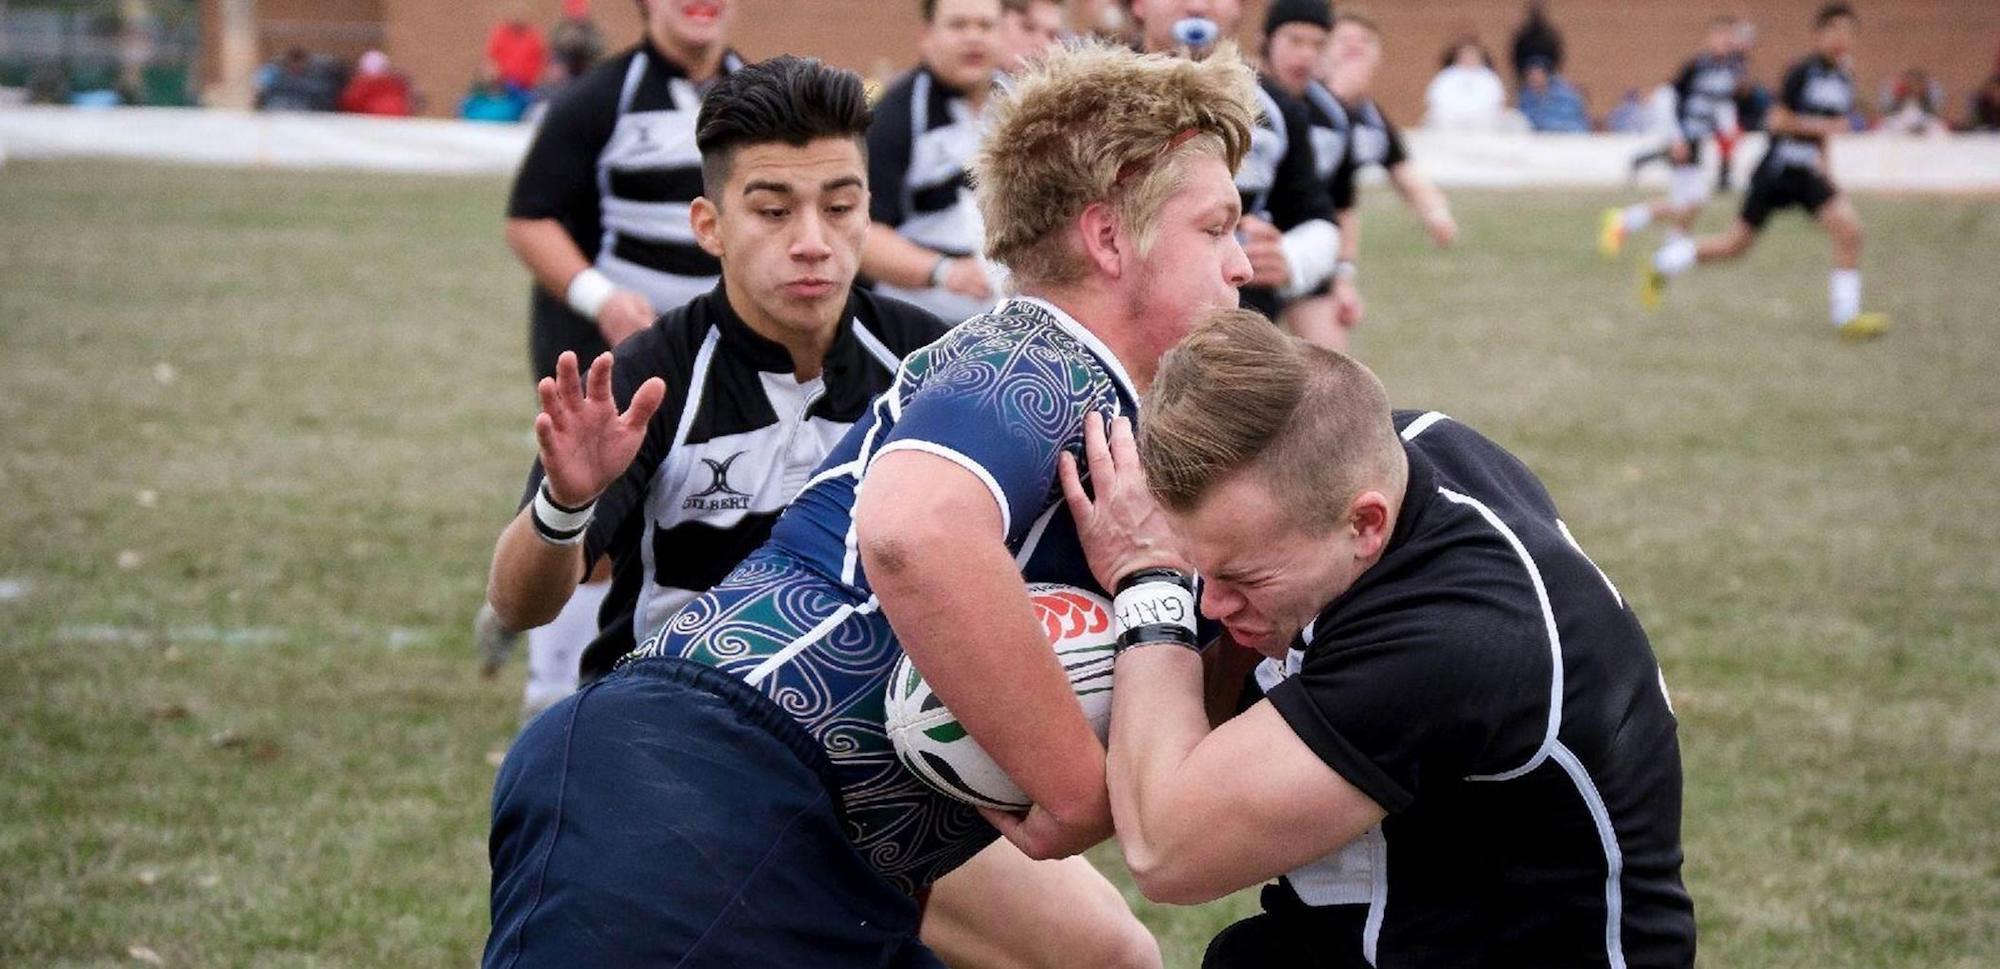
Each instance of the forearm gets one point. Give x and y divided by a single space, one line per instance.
890 258
961 612
1418 192
545 247
531 580
1157 720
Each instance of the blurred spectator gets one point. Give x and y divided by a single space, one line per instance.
491 99
1631 116
297 82
1027 28
1911 107
1985 113
1550 102
1537 40
375 89
517 53
48 84
575 42
1466 94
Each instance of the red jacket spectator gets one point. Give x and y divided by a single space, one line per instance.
375 89
516 49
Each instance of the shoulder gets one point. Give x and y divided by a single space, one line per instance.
595 94
1021 353
903 327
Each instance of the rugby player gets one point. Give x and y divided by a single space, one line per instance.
1704 108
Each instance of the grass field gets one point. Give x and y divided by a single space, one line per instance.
258 431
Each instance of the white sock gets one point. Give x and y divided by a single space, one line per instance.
556 650
1638 217
1676 235
1843 295
1676 257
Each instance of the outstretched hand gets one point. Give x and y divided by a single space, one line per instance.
585 443
1120 525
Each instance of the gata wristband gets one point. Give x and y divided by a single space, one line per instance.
1155 606
559 524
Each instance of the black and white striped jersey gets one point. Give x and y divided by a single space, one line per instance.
1490 688
732 444
1705 90
1279 180
920 147
615 162
1358 136
1816 87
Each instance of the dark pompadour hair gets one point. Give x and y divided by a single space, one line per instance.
1832 12
790 99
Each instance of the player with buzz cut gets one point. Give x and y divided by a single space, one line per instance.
729 795
1813 106
1704 109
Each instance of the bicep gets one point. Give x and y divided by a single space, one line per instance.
912 499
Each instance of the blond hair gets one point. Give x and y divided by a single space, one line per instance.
1237 394
1096 123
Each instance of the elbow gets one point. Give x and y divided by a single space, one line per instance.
1164 882
514 614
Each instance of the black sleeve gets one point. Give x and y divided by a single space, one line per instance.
1793 94
559 173
1425 695
889 155
1297 194
1340 188
1683 91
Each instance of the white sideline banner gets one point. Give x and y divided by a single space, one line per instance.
1872 162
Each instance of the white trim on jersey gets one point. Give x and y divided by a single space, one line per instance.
1614 857
1548 622
1422 424
815 634
876 348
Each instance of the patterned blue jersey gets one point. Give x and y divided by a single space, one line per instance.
1002 396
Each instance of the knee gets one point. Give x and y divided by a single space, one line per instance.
1124 945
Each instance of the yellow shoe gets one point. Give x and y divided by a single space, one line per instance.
1652 288
1864 326
1611 234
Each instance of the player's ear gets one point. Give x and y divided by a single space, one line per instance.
706 219
1369 517
1099 238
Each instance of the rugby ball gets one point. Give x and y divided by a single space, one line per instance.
931 744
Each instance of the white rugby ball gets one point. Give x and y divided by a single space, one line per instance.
932 745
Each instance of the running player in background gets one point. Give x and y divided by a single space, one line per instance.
1288 221
1342 99
599 216
1704 109
924 245
1817 97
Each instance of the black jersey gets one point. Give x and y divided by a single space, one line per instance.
1705 87
1279 181
1489 687
1348 138
734 441
1815 87
615 163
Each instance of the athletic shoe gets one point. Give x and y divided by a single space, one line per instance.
495 641
1864 326
1652 288
1611 234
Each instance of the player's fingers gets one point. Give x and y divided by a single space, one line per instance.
1072 486
1002 821
1124 448
1096 451
545 434
598 389
545 389
645 402
567 389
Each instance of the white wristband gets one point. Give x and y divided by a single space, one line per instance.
557 525
588 291
1154 604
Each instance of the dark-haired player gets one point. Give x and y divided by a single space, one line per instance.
1814 105
599 216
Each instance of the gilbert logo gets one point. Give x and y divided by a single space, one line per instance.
719 496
